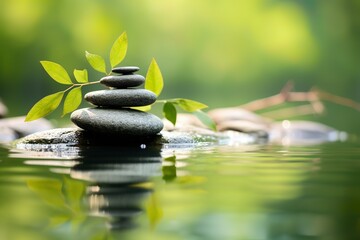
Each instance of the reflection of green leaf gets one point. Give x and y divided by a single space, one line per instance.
205 119
81 75
154 80
49 190
45 106
59 219
56 72
171 159
96 61
118 50
143 108
101 235
72 100
169 111
74 191
189 105
153 210
169 169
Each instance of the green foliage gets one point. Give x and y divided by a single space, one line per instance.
118 50
169 111
45 106
72 100
154 82
96 61
205 119
188 105
56 72
81 76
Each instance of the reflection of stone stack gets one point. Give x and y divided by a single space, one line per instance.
113 115
122 203
114 173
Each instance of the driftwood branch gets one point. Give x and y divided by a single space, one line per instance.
314 97
290 112
338 100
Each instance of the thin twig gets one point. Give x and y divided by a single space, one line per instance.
291 112
284 96
338 100
314 97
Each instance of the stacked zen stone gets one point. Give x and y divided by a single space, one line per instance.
113 115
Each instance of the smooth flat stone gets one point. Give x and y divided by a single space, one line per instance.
220 115
16 127
123 81
7 135
243 126
119 122
304 132
121 97
125 70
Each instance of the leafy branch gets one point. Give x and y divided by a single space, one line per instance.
154 82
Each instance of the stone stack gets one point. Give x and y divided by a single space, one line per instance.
113 115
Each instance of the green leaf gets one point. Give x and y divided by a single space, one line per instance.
118 50
56 72
154 80
72 100
57 220
45 106
143 108
81 75
169 112
96 61
74 191
49 190
153 210
188 105
205 119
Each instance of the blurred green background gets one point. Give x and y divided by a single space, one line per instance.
222 53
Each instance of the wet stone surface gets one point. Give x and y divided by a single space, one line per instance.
112 115
123 81
125 70
117 122
121 97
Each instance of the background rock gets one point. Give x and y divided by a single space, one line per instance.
3 109
16 127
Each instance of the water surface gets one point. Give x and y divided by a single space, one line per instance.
210 192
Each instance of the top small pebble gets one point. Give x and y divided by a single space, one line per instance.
125 70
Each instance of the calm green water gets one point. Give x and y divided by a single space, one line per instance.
223 192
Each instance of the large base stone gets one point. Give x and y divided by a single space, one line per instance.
117 122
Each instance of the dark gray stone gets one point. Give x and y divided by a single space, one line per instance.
123 81
121 97
125 70
118 122
71 136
